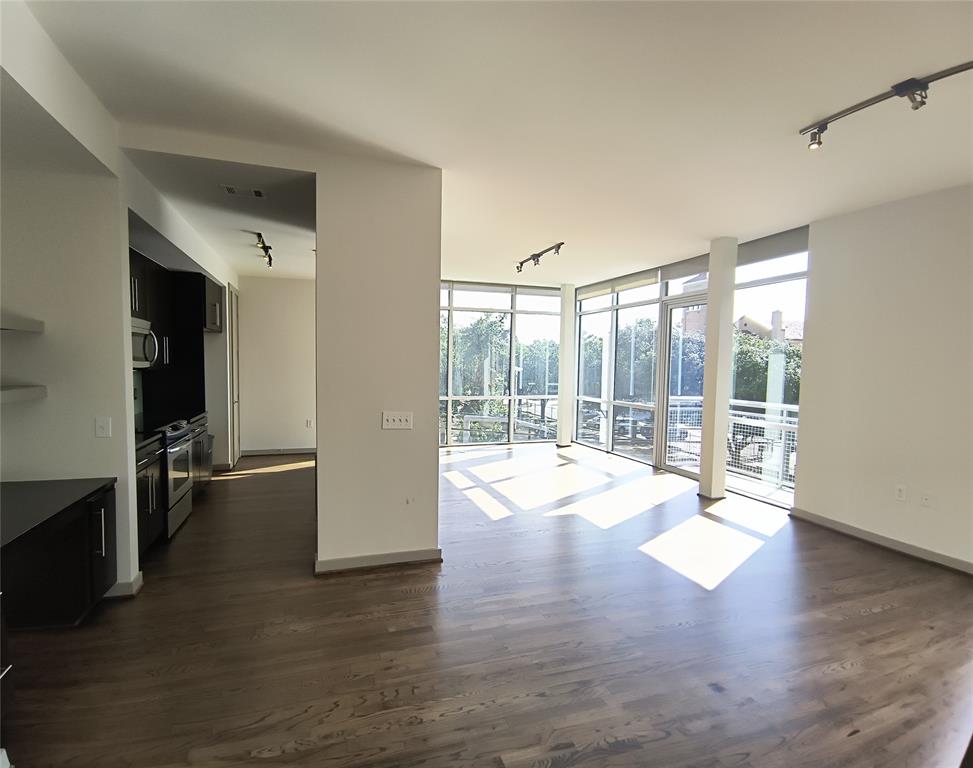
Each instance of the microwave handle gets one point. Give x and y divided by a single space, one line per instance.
155 347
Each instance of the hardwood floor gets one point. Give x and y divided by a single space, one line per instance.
543 639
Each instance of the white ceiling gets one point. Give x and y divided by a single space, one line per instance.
634 132
285 216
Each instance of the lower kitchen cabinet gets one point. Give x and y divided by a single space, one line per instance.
151 508
59 553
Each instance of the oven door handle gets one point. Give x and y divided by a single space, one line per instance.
182 445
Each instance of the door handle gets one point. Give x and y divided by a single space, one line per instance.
136 293
151 494
101 515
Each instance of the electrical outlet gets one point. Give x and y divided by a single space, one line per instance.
396 419
926 500
102 426
309 423
900 493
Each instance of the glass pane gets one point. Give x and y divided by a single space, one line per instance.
538 341
687 284
593 423
443 415
644 293
443 349
783 265
633 432
593 362
444 297
598 302
481 353
536 419
536 303
768 336
687 353
481 298
479 421
635 354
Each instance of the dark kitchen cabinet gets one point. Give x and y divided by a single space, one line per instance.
140 281
59 549
151 508
163 316
213 318
102 546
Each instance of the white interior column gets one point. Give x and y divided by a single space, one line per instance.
566 368
717 370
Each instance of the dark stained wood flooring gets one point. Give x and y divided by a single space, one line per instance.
541 641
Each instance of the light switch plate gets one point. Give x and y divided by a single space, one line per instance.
396 419
102 426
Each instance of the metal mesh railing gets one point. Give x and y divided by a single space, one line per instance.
684 431
762 442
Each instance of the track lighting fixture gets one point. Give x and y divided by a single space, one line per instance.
262 245
814 140
536 257
915 89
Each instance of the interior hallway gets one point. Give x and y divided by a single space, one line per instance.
546 638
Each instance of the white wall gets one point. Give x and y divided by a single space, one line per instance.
378 270
886 386
277 364
378 267
62 263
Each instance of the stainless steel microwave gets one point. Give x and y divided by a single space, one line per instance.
145 345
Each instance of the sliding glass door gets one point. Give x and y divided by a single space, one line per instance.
684 344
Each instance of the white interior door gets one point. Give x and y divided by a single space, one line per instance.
233 326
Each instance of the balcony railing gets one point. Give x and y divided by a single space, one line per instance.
761 439
762 442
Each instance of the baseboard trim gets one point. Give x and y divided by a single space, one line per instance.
126 588
276 451
904 548
412 557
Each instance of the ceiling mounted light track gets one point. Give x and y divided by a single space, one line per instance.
262 245
915 89
536 257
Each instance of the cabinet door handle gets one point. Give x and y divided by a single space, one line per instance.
101 515
131 288
151 493
136 294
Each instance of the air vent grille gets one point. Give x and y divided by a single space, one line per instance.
230 189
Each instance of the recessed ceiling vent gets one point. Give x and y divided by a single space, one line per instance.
240 192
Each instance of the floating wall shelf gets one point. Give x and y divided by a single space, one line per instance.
20 393
10 321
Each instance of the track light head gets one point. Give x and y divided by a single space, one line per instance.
520 267
814 140
917 99
913 89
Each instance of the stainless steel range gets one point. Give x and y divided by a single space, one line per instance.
179 473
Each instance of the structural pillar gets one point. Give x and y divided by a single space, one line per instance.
718 367
566 368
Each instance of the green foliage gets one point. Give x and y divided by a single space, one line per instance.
751 360
481 356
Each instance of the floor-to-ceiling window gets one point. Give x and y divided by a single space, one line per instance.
768 335
498 363
642 346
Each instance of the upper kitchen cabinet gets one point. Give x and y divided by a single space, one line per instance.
213 318
203 300
139 284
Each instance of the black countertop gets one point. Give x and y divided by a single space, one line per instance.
25 505
144 439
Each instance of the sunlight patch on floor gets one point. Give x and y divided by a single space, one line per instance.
702 550
454 455
515 467
265 470
747 513
549 485
487 504
458 479
616 505
603 462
